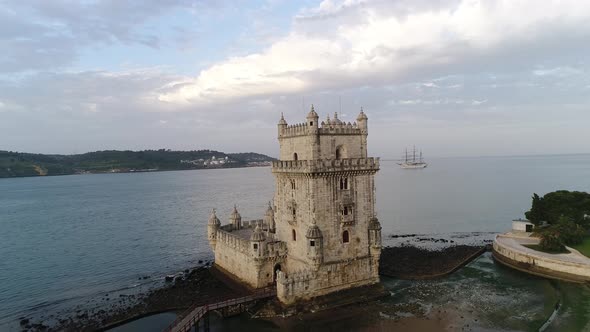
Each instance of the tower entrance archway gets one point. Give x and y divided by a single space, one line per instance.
276 269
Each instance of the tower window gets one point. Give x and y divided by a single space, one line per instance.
294 212
338 153
293 184
344 183
294 235
311 243
295 156
255 246
311 123
345 237
345 212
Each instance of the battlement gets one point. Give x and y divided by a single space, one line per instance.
298 129
232 240
325 165
302 129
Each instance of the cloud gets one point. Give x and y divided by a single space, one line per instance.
383 41
421 69
557 71
48 35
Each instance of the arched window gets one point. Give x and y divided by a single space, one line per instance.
345 212
293 212
312 243
295 156
293 184
338 153
294 235
345 238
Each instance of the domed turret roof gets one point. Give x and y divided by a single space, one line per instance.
336 121
213 220
313 232
235 214
374 223
282 120
258 235
312 113
362 116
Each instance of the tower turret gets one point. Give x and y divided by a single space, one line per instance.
315 244
282 125
269 218
375 236
257 240
212 227
312 120
362 122
236 219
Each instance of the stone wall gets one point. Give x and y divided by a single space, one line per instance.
237 256
232 254
306 284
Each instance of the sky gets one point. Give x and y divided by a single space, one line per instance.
453 77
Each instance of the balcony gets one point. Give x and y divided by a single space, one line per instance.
326 165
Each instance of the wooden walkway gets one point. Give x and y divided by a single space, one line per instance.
195 314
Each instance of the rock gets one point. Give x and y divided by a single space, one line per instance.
24 321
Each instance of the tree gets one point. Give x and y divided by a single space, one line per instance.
550 241
537 213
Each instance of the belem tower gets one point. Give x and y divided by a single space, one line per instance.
321 233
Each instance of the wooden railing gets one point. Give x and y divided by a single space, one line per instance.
195 313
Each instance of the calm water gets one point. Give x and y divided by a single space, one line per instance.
67 241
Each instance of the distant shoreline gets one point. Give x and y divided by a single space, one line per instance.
19 164
134 171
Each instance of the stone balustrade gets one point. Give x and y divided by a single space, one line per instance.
325 165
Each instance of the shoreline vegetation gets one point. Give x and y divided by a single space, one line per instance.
561 218
203 284
19 164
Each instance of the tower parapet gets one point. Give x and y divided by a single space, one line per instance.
326 166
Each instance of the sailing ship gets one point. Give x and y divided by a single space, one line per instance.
410 162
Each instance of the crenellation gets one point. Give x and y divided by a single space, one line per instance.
326 165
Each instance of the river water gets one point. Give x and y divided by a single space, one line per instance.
67 241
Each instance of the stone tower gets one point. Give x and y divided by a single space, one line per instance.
325 207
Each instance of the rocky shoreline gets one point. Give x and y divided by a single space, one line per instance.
410 262
197 285
202 285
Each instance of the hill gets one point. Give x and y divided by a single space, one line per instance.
18 164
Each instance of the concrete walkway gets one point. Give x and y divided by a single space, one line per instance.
517 242
511 251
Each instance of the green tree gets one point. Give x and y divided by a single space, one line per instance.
537 212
